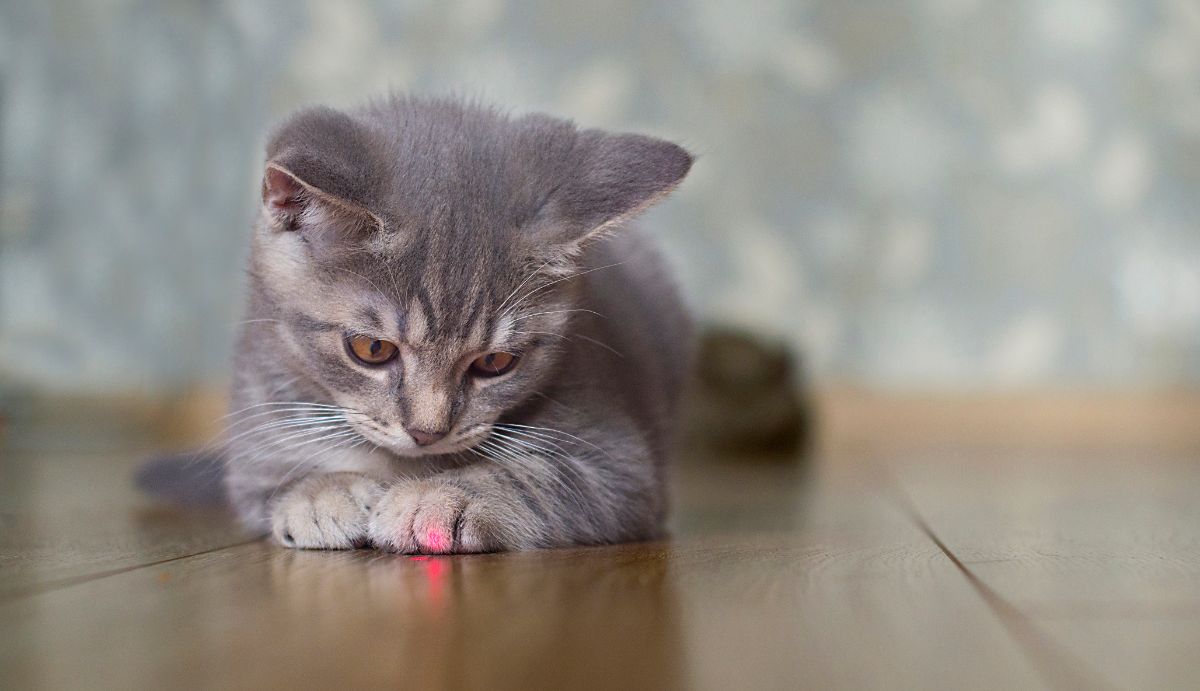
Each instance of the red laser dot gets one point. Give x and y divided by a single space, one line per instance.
436 540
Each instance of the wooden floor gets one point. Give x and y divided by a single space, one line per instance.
889 561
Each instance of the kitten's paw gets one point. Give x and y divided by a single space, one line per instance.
435 517
325 512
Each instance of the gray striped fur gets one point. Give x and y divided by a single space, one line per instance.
453 229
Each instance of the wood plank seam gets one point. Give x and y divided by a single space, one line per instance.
1057 666
60 584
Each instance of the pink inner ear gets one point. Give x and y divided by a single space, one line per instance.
281 191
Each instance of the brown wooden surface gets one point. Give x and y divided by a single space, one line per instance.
883 564
1099 553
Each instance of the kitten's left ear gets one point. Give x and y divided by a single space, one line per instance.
616 177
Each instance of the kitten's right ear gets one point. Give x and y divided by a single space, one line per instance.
321 172
283 197
290 203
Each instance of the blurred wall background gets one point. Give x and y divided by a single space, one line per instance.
922 195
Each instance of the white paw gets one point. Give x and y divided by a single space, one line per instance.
433 517
325 512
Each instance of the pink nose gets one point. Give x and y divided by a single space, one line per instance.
424 437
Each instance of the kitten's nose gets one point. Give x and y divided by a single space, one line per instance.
424 437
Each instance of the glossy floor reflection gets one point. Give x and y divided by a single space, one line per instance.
878 569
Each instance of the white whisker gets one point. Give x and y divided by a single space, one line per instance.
281 403
516 454
566 311
560 280
513 435
284 424
305 462
606 346
272 447
550 430
533 273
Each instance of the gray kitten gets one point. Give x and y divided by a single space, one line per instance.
453 342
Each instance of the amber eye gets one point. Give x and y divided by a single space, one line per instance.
370 351
493 364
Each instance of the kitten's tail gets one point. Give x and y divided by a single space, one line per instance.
191 478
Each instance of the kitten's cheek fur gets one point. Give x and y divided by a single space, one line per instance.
325 512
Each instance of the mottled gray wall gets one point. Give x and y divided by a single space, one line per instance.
925 194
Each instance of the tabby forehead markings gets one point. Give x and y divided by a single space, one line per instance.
472 320
369 316
432 315
416 323
476 335
304 322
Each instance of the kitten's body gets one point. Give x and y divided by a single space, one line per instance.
451 230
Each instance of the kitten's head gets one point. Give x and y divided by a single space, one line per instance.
418 255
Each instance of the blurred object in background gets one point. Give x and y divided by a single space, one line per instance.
954 196
745 398
162 421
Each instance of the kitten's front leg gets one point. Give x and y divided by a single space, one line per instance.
327 511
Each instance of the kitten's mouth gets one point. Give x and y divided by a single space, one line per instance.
404 445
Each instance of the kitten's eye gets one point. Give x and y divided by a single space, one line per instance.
371 351
493 364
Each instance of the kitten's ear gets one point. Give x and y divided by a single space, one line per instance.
283 197
291 203
318 173
616 177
